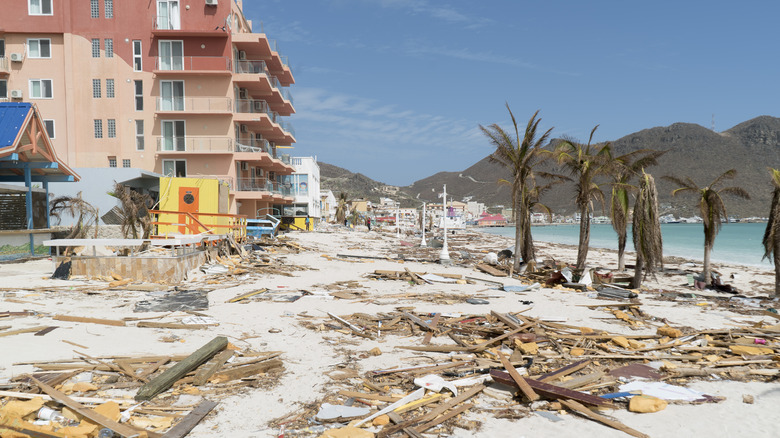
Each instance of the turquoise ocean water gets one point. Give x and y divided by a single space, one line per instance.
738 243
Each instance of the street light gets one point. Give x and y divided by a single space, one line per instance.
423 244
444 257
397 224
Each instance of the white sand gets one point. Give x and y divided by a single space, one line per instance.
309 354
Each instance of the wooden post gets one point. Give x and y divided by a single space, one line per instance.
171 375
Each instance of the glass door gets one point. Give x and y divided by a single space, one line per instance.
172 95
173 135
168 15
171 55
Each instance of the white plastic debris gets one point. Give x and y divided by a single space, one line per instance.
435 383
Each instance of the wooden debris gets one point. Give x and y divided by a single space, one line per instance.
578 407
191 420
89 320
518 379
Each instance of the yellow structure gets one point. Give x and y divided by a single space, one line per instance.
197 196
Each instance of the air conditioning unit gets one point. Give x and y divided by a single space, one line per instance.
211 2
244 128
17 57
241 54
244 165
16 94
258 106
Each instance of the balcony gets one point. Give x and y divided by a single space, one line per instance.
4 68
257 46
254 76
251 144
195 105
166 26
264 185
194 145
193 65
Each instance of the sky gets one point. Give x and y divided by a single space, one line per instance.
397 89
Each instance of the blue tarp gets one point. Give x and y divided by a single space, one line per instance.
12 116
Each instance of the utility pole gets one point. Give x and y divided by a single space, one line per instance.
423 244
444 257
397 223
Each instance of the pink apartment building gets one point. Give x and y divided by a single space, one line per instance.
177 87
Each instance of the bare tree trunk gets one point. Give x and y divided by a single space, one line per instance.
638 274
529 251
777 267
519 231
582 250
622 251
707 271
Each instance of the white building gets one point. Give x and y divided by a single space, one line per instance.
328 204
305 187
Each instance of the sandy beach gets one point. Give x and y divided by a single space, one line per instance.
320 358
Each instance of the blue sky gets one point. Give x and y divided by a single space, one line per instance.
397 89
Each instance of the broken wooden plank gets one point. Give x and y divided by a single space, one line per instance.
174 373
46 330
551 391
119 428
435 422
246 295
20 331
192 419
122 370
69 318
491 270
418 321
434 323
355 329
565 371
578 407
173 326
519 380
246 370
368 396
205 372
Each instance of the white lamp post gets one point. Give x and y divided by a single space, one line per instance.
397 224
423 244
444 257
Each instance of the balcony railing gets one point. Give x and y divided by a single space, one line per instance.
252 67
195 104
263 185
193 63
194 144
255 106
227 179
3 64
250 144
287 126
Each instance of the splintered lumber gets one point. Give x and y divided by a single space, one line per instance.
121 429
206 371
463 396
20 331
192 419
519 380
174 373
90 400
24 427
89 320
503 317
434 323
416 278
418 321
246 295
453 413
565 371
551 391
491 270
355 329
46 330
247 370
367 396
578 407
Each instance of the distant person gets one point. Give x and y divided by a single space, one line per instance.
345 222
368 223
307 223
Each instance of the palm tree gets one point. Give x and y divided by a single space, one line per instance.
622 171
520 155
712 208
341 208
584 162
772 234
646 230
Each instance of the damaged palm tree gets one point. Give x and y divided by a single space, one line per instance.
85 214
646 230
771 239
134 211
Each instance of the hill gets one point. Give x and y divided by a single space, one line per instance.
692 150
357 185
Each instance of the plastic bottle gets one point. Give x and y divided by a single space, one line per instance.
105 433
50 414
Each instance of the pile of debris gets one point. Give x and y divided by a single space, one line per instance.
536 366
93 396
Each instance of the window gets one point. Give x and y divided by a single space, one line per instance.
99 129
3 89
173 135
2 48
139 135
109 47
109 7
172 95
49 125
41 89
177 168
137 59
110 88
125 163
39 7
96 47
94 8
111 128
171 55
139 95
111 161
96 93
168 14
39 48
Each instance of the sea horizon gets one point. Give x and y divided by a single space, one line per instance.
737 243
